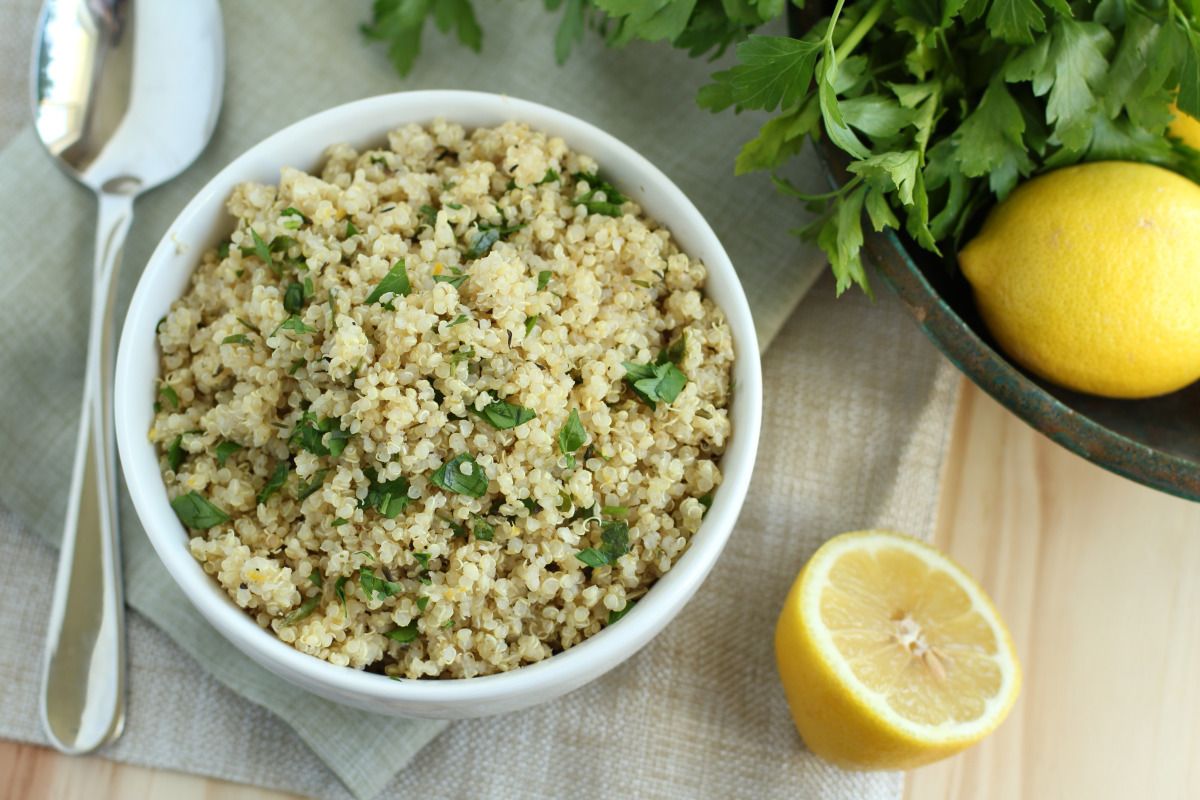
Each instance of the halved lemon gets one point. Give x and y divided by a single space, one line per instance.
891 655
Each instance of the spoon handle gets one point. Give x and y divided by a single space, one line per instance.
83 688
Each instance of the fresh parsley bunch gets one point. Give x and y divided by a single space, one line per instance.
940 106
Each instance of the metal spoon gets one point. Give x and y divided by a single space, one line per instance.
126 95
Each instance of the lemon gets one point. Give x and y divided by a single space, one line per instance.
1185 128
890 655
1089 276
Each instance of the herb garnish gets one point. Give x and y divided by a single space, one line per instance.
339 589
461 475
422 559
455 278
339 522
614 511
459 320
403 634
614 537
378 587
351 230
610 206
318 478
389 498
482 529
196 512
293 298
296 365
395 282
274 483
503 415
293 323
655 383
673 352
169 395
422 602
309 434
613 616
571 437
530 322
295 219
225 450
544 279
236 338
429 214
550 177
303 611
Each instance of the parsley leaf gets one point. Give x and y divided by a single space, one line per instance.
544 279
461 475
773 72
374 586
225 450
318 478
399 23
482 529
503 415
613 616
571 437
403 634
395 282
339 589
293 323
169 395
614 537
655 383
303 611
610 206
389 498
274 483
293 298
196 512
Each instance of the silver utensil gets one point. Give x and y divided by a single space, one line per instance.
126 95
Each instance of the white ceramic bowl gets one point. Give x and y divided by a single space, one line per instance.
204 223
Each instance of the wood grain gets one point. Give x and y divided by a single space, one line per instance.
1099 579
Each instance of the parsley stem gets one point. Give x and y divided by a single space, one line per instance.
860 30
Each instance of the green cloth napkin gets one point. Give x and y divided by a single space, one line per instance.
286 61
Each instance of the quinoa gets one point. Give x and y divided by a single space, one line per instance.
463 473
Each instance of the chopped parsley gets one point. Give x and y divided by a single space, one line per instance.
655 383
247 325
274 483
404 634
223 251
550 177
304 490
483 242
225 450
706 500
530 322
293 323
169 395
544 279
296 365
503 415
339 589
175 453
673 352
613 616
571 437
462 355
196 512
461 475
389 498
422 602
339 522
395 282
376 586
293 298
455 206
236 338
260 249
294 219
610 206
364 553
455 278
614 511
422 559
310 434
614 537
429 214
459 320
482 529
350 229
305 610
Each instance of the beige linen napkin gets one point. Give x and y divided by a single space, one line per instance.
856 417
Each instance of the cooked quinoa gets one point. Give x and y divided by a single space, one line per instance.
444 408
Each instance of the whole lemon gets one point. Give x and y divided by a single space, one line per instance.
1089 276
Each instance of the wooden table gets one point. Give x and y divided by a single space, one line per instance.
1099 579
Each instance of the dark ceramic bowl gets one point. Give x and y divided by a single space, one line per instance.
1155 442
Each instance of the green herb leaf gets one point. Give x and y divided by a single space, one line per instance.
261 249
461 475
389 498
530 323
236 338
613 200
482 529
374 586
293 219
613 616
302 612
404 634
339 589
483 242
293 323
296 365
614 511
455 278
339 522
422 559
274 483
655 383
293 298
196 512
773 72
544 279
351 230
503 415
168 394
614 537
571 436
225 450
318 478
395 282
422 603
459 320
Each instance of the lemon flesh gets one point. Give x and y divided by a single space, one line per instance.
890 655
1089 276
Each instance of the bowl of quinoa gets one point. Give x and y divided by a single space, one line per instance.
439 403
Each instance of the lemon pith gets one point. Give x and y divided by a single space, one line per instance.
1088 276
891 656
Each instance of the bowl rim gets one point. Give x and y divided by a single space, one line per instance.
660 603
